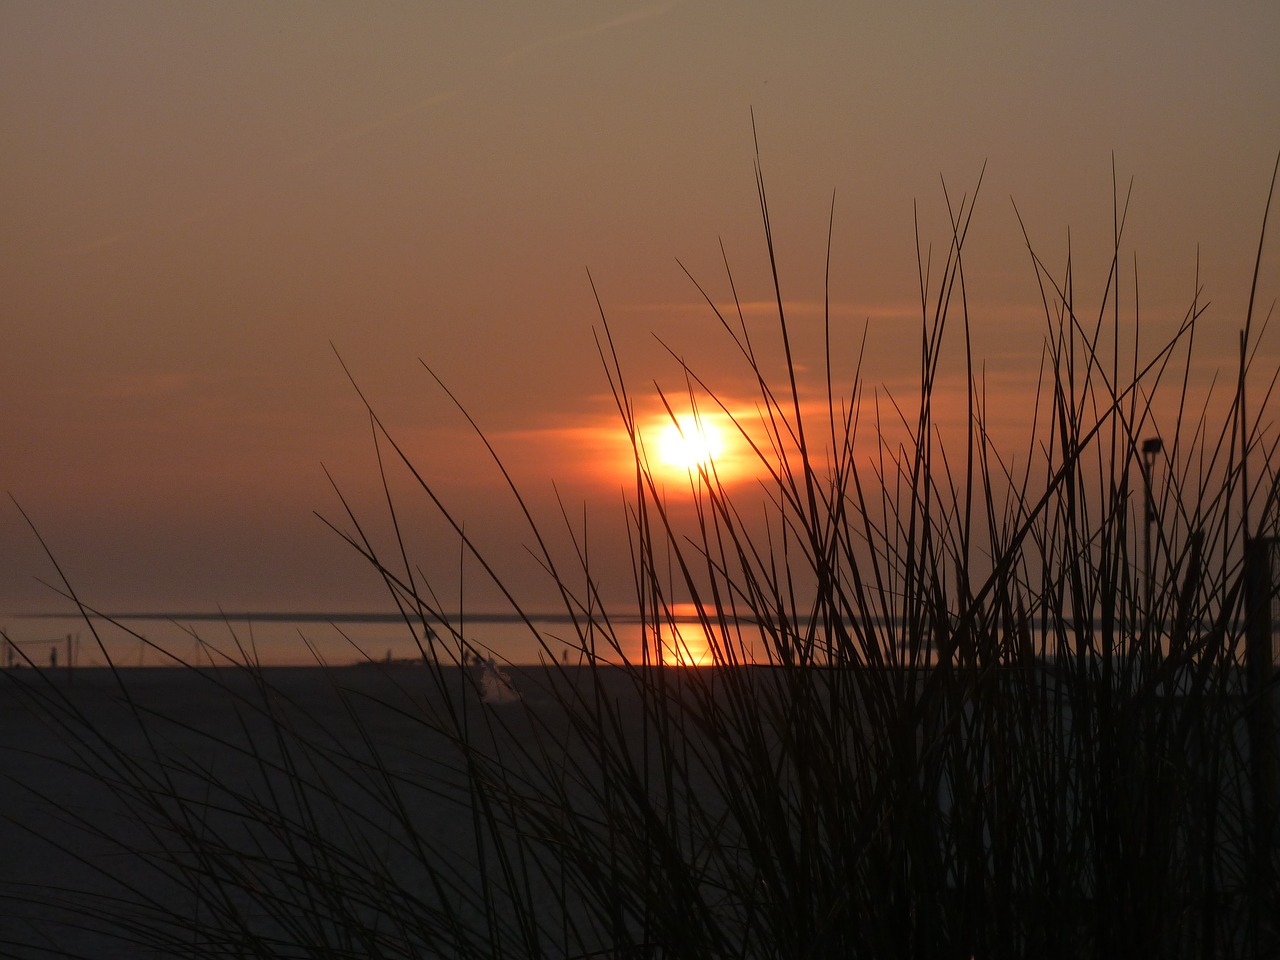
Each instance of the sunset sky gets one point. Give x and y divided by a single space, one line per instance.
204 205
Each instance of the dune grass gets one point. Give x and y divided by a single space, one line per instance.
962 700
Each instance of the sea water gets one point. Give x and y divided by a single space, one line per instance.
340 639
336 639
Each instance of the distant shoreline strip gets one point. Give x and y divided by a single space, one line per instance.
452 617
331 617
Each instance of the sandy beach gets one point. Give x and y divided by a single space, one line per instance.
116 784
150 810
76 831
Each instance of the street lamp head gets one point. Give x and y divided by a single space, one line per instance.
1152 445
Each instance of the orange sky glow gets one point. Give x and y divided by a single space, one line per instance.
214 213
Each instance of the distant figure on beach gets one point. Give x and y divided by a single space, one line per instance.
53 658
495 685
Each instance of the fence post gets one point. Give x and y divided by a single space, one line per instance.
1259 591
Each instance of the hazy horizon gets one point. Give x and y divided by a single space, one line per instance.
209 210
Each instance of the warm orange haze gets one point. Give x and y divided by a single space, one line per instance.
762 480
210 211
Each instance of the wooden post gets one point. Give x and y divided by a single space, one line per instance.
1259 590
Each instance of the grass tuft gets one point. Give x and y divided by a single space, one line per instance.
959 701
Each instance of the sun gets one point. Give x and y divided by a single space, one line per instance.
690 442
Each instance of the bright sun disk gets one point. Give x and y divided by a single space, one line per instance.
690 443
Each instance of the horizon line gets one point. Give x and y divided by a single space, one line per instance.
322 616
